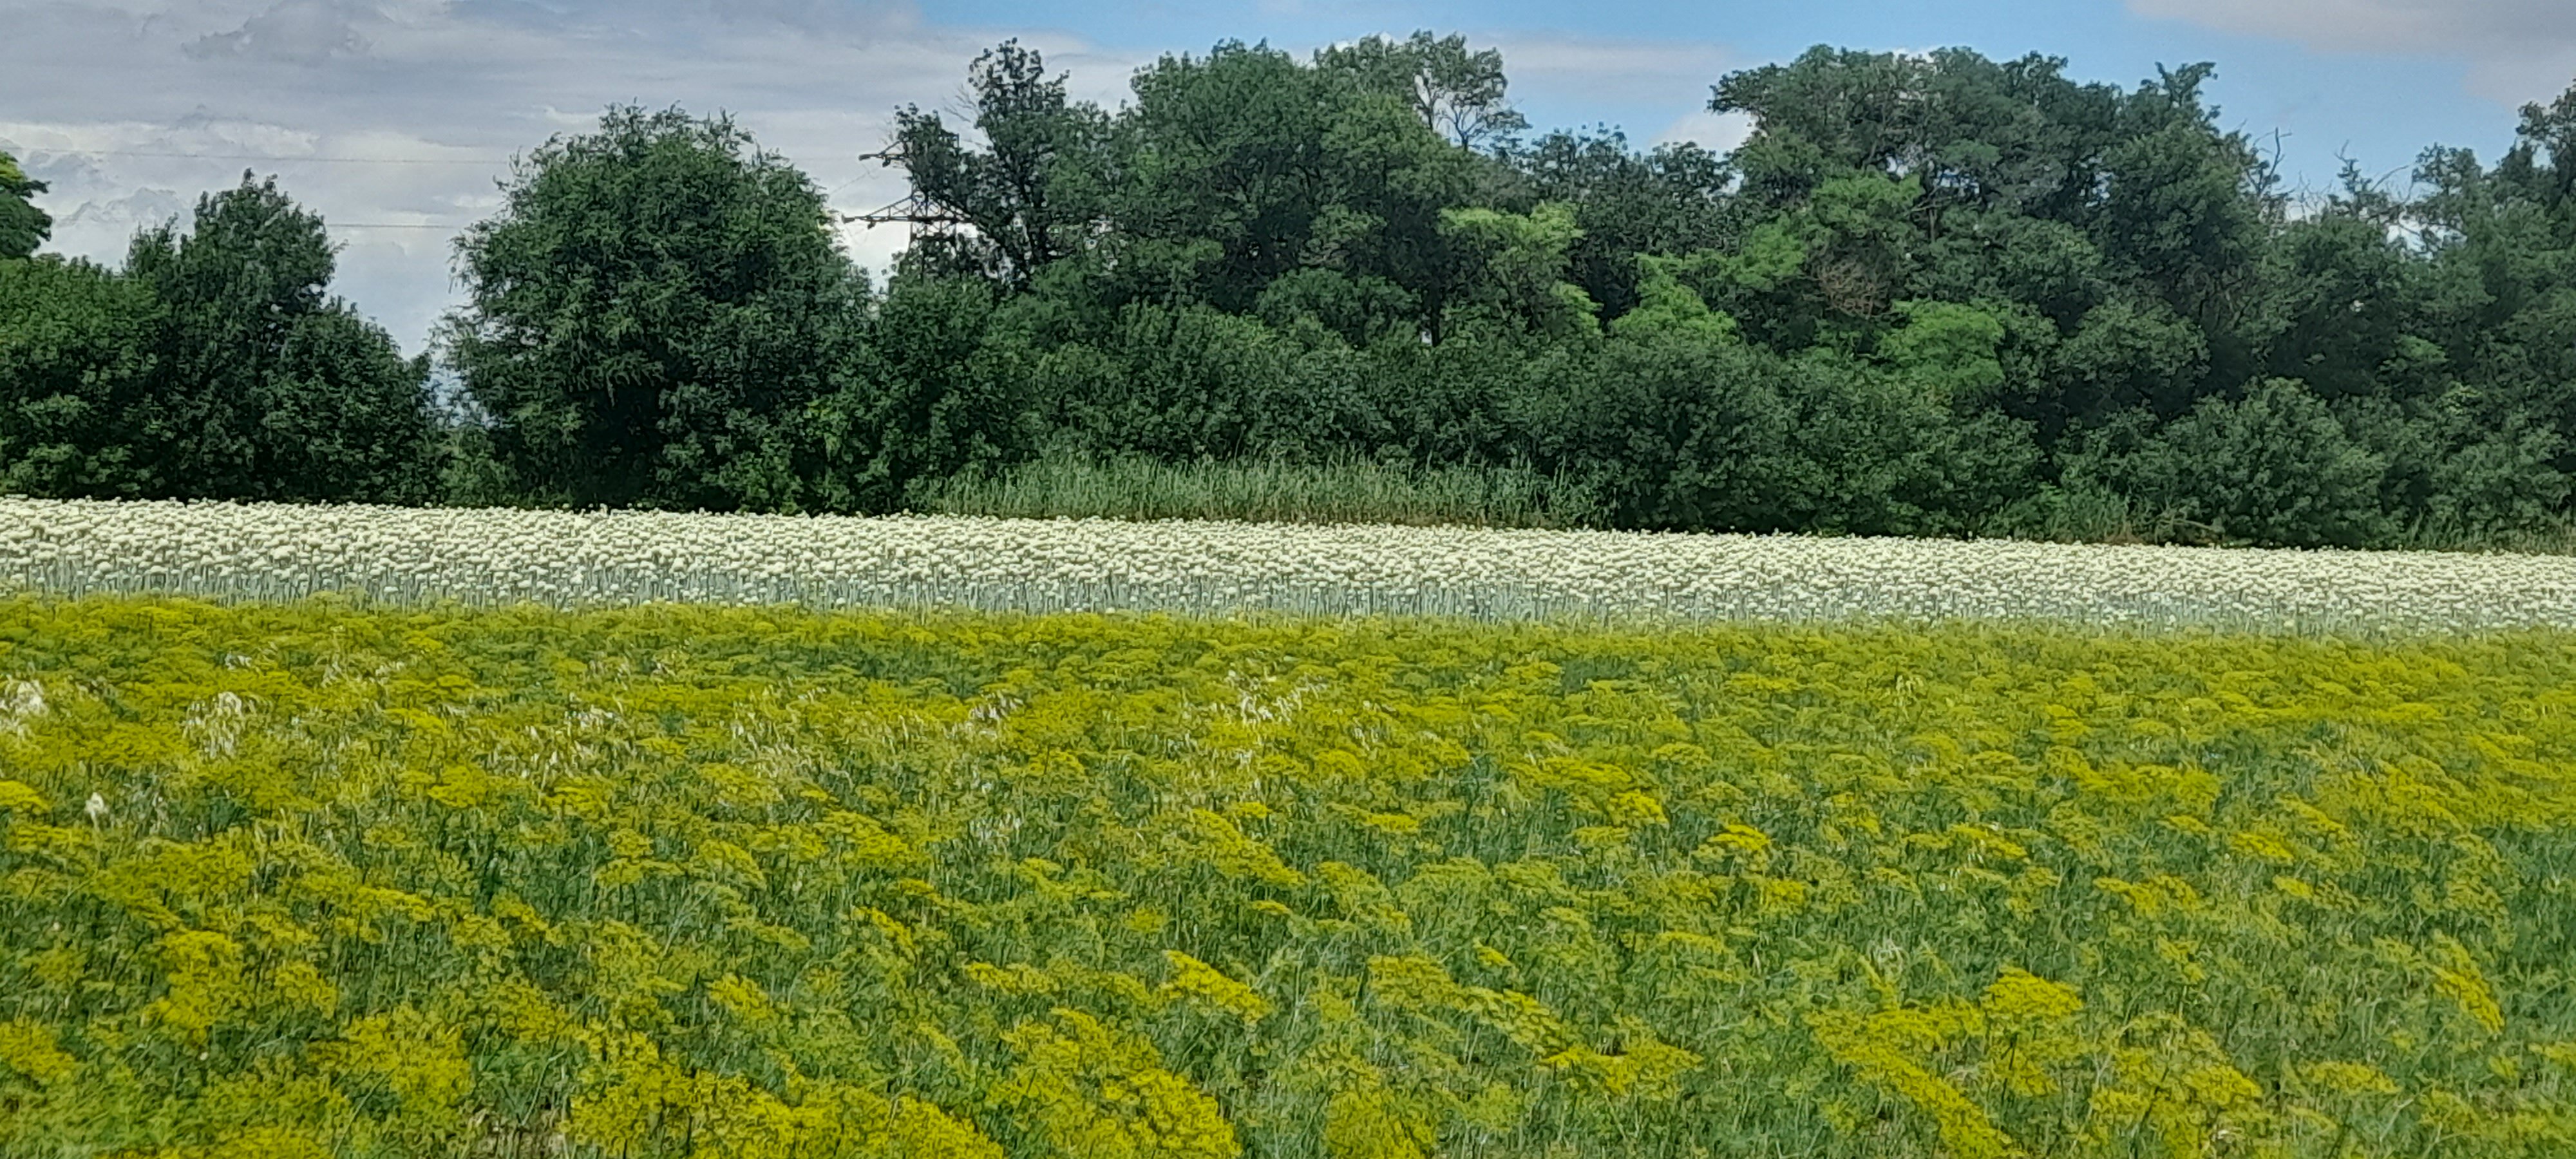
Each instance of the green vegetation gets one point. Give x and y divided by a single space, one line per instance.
1934 294
1344 490
316 881
215 365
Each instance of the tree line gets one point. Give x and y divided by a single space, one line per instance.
1930 294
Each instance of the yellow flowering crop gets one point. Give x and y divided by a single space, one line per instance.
741 883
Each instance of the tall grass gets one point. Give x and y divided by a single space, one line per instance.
1347 490
2092 514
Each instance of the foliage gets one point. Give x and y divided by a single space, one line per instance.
929 397
1930 294
23 226
267 388
2274 466
1060 486
320 880
651 315
75 364
1032 194
215 365
1457 92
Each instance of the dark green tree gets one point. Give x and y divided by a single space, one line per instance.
1672 200
75 365
2495 297
2273 467
934 390
1033 193
262 385
652 316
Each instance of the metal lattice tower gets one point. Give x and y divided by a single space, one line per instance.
923 217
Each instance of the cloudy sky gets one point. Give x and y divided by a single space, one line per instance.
394 118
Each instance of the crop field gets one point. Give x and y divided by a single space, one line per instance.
497 833
315 878
572 560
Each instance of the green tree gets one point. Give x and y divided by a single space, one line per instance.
1455 91
75 363
934 391
1245 166
262 385
1666 305
1949 349
1876 178
1033 194
1521 262
1673 430
23 226
1671 200
2495 296
652 316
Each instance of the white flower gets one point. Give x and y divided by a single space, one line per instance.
567 558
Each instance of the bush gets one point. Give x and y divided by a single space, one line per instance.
2275 466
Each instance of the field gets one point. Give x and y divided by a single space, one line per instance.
569 559
323 878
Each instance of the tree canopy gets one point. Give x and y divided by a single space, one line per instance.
1930 293
651 314
215 365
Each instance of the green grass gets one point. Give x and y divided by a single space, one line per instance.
1265 491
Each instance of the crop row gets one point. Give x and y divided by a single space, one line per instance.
573 559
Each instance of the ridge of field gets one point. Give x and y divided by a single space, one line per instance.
319 880
577 559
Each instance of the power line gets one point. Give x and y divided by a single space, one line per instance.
260 157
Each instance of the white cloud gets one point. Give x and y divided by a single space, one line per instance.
123 216
1715 132
1589 71
293 32
405 113
2516 50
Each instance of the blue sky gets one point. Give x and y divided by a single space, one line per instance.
2381 106
395 118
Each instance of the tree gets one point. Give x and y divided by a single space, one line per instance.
2186 208
2495 296
1672 200
1244 167
75 361
1948 349
1520 261
1453 91
931 394
262 385
1033 194
23 227
651 316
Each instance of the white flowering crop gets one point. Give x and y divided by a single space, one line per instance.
569 559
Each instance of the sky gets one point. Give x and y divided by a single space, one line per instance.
396 119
